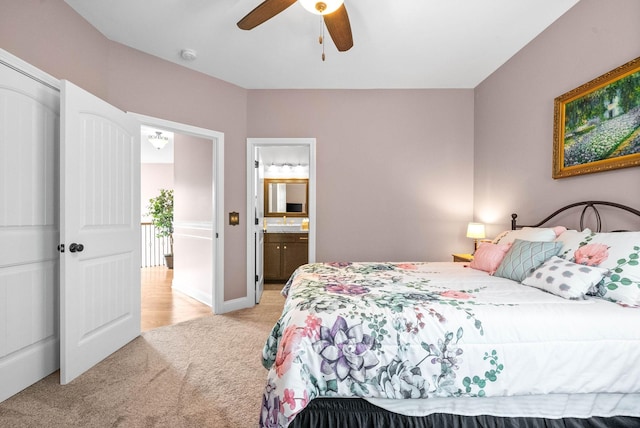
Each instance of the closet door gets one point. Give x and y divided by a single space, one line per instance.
100 228
29 116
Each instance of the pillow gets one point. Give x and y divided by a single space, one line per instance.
488 256
559 230
571 240
524 257
565 279
545 234
620 253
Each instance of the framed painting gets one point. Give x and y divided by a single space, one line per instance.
596 127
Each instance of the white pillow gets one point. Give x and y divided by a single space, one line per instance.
572 240
565 279
538 234
620 253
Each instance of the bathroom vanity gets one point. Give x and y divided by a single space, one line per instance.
283 253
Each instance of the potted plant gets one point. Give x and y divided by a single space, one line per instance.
161 213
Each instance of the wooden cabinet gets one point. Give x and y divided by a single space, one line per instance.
283 253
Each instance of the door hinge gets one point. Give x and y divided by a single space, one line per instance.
257 164
257 278
216 234
257 221
61 248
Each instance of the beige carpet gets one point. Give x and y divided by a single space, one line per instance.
205 372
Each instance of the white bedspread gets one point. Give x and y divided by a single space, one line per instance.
439 330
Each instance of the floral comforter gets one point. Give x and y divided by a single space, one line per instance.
421 330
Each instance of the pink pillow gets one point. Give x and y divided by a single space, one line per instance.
488 256
559 230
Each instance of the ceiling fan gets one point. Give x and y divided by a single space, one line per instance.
333 13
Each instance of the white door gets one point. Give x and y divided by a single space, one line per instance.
259 236
259 230
100 228
29 339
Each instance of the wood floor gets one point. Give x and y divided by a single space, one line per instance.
161 305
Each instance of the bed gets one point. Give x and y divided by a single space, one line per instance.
541 329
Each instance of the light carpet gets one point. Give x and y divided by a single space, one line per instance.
205 372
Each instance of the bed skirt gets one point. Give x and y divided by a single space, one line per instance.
358 413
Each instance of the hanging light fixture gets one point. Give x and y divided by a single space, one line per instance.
323 7
158 141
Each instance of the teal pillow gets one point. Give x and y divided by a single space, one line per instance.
524 257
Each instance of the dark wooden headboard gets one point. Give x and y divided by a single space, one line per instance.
586 206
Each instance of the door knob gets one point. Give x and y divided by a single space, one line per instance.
76 248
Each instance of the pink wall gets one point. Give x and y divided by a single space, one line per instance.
51 36
514 115
153 177
193 215
394 167
194 175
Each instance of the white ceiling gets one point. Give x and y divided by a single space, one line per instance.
397 43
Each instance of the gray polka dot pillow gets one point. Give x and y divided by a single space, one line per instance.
564 278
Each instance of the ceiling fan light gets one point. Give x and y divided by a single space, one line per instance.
321 7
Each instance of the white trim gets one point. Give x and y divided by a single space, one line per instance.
217 304
29 70
237 304
252 143
200 225
191 292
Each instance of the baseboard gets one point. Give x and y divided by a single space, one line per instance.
193 293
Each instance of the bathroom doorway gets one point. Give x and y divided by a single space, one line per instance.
284 158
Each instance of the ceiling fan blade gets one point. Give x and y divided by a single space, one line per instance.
263 12
339 28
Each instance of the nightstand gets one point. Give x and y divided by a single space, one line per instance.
462 257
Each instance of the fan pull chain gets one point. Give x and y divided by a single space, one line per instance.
321 38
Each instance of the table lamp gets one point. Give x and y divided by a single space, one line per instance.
475 231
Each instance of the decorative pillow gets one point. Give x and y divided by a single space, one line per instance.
565 279
620 253
546 234
488 256
559 230
524 257
571 240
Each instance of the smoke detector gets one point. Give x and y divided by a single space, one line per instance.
188 54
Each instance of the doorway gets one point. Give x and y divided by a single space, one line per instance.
178 165
206 234
255 207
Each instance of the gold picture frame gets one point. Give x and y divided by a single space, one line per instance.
596 126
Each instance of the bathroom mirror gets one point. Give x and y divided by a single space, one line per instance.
286 196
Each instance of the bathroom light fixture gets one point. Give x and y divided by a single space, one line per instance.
158 141
475 231
323 7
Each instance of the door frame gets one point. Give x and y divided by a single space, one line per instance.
252 144
217 139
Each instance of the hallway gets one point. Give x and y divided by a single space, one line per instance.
162 306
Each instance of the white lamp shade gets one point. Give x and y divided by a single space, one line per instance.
321 7
475 230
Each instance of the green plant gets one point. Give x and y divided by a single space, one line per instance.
161 213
